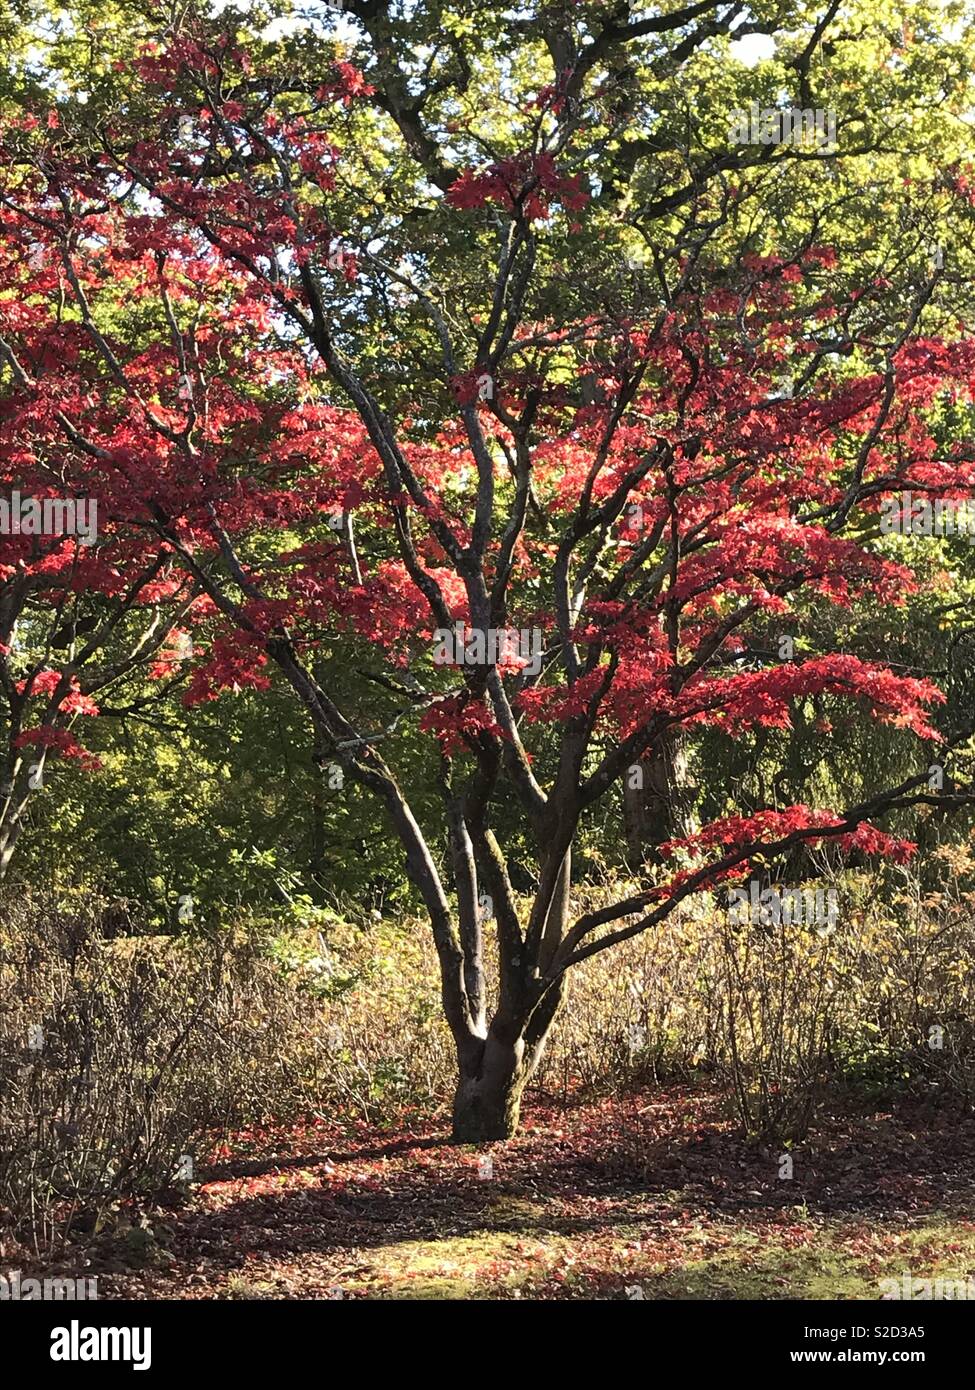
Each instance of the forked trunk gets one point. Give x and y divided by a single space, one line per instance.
487 1102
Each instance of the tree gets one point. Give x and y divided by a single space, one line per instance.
636 491
74 629
88 610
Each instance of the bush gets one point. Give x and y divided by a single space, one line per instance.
121 1053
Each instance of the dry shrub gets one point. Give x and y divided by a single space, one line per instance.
879 1003
146 1048
117 1053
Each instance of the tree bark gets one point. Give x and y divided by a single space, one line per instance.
656 809
492 1079
13 806
487 1101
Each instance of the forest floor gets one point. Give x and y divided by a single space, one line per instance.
652 1195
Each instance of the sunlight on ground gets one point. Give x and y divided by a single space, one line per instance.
825 1261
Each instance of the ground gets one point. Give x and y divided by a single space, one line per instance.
650 1196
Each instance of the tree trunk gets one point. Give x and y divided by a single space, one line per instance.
655 801
11 824
8 844
487 1102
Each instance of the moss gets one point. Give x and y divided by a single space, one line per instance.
838 1260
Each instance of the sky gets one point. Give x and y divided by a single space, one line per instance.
750 50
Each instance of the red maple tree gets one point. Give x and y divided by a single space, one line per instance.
637 515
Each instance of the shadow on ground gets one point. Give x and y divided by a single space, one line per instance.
638 1197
